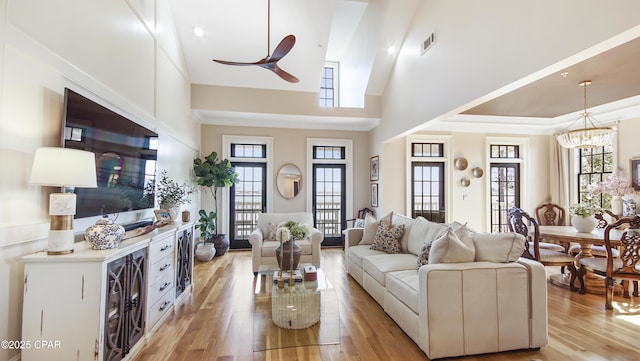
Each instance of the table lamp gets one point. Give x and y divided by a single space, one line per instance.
62 167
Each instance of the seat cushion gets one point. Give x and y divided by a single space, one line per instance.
546 245
404 286
357 253
547 255
599 264
379 265
598 251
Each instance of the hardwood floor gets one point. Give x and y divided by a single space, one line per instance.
215 323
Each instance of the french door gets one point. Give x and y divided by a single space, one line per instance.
505 193
248 199
329 201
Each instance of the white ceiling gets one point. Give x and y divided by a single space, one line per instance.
236 30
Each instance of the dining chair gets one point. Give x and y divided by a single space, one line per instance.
624 267
521 222
551 214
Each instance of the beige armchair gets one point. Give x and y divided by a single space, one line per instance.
263 242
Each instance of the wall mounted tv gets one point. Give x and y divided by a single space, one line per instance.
125 151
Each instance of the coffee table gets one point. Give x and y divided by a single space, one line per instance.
300 315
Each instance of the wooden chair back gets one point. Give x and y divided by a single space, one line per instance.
520 222
550 214
629 255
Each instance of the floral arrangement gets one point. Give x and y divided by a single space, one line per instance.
289 229
584 209
614 185
171 194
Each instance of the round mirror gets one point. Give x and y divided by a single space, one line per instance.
289 180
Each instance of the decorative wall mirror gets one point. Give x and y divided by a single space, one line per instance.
289 181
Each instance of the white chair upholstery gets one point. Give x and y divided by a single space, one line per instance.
263 250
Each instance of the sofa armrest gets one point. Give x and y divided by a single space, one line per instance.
316 238
352 236
256 238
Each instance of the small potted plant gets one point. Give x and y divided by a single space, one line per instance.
213 173
171 194
204 250
583 219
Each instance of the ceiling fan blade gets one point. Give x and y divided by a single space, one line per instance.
283 48
281 73
237 63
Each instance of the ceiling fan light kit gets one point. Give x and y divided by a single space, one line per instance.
270 62
586 138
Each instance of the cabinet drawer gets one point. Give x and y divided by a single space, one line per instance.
158 309
160 287
161 268
160 249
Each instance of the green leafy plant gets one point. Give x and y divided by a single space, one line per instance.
213 173
584 209
206 224
171 194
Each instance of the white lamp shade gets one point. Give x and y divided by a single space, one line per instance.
62 167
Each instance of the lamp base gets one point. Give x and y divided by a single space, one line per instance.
60 242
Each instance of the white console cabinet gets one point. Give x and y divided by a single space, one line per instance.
98 304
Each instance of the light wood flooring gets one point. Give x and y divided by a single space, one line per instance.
215 323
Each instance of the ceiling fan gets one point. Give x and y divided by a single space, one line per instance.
270 62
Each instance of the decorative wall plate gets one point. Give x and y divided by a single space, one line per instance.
460 163
465 181
477 172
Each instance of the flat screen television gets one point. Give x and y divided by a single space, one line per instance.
125 152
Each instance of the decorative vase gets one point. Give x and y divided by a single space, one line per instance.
105 234
221 243
285 250
629 209
584 224
205 251
616 205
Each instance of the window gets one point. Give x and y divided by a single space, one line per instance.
325 152
427 191
505 183
328 86
251 157
427 150
596 165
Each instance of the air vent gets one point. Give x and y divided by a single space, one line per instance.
428 43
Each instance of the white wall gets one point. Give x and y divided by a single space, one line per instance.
125 54
483 46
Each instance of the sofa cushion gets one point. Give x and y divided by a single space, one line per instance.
387 238
404 286
498 247
422 231
371 227
451 249
358 252
423 257
379 265
408 223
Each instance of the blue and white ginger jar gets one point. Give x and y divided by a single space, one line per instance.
105 234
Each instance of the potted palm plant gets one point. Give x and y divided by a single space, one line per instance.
213 173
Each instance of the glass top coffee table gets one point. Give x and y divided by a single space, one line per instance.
300 315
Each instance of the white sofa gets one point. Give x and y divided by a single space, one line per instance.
495 302
263 248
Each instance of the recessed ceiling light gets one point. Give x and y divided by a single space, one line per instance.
391 50
198 31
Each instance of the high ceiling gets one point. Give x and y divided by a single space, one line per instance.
236 30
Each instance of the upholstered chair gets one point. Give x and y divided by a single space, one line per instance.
521 222
264 244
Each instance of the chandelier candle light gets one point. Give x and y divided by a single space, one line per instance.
585 138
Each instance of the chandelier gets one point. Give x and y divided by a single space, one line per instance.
585 138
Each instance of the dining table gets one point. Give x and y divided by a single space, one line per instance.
593 284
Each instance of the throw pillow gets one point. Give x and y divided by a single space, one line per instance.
387 238
371 227
423 230
498 247
358 223
423 256
270 232
450 249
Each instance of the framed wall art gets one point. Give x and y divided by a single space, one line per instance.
634 170
374 194
374 168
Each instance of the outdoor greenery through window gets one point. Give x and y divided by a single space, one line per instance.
596 164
